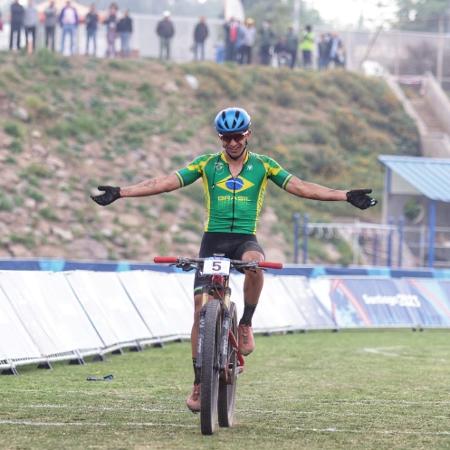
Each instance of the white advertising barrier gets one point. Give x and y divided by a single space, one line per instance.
276 311
42 318
109 307
15 342
30 294
162 301
312 311
321 289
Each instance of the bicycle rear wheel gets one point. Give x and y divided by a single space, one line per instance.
227 387
210 367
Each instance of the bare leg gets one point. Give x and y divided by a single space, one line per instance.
254 281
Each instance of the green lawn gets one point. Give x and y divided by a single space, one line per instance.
319 390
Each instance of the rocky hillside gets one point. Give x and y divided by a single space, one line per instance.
67 125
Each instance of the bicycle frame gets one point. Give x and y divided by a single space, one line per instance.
219 289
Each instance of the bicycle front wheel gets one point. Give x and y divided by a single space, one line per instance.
227 384
210 367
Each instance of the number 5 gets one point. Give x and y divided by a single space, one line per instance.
217 266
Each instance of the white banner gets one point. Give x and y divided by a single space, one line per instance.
15 342
108 306
165 305
30 297
275 311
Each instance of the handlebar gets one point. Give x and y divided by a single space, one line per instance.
193 263
165 259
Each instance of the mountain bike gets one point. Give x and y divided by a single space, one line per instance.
218 356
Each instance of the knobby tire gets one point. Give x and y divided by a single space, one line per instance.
227 391
210 367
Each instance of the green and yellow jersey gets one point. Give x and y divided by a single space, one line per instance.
233 204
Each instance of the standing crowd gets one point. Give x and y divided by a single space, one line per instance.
243 42
240 40
27 19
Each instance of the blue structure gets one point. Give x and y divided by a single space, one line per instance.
419 189
310 271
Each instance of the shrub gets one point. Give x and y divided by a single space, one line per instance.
48 214
37 170
27 240
38 107
34 194
14 129
171 204
147 94
6 204
16 146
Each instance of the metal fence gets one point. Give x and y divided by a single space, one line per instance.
391 245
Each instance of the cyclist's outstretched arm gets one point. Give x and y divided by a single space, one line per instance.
153 186
314 191
356 197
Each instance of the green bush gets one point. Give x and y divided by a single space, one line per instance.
171 204
34 194
16 146
27 240
37 170
6 203
38 108
48 214
147 94
14 129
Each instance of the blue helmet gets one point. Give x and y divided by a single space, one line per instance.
232 120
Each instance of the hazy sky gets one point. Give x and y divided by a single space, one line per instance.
348 12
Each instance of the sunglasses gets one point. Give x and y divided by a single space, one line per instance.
237 137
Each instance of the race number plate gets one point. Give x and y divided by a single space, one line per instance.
216 266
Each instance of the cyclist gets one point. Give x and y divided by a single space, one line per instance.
234 181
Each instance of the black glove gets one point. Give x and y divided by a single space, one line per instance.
110 195
360 199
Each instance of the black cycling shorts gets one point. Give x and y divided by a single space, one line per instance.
229 245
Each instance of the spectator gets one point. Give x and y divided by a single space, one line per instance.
341 55
324 47
1 21
30 22
337 51
248 41
292 46
50 21
111 30
266 37
125 29
165 30
307 47
91 29
17 16
282 53
68 20
200 34
231 32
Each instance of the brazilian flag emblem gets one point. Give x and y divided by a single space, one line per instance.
231 184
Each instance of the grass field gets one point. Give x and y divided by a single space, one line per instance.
319 390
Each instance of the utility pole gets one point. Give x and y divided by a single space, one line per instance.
440 50
297 12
